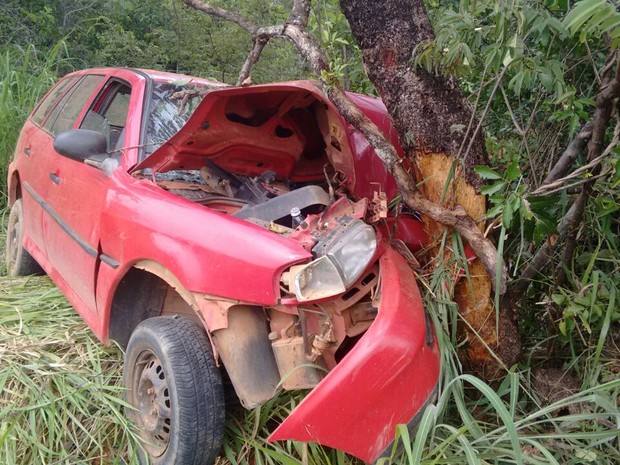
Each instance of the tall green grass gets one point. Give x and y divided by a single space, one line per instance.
60 393
25 75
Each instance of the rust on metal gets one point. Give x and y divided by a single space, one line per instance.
245 350
295 369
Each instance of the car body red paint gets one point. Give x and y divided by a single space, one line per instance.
91 223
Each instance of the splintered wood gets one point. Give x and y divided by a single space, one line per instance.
441 181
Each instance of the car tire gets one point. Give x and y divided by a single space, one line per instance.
176 391
18 261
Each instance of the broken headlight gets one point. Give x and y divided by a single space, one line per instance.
349 247
343 255
317 280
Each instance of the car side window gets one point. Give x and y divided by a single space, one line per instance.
108 113
65 114
48 103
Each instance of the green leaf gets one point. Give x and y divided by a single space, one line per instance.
572 310
586 455
501 410
562 327
581 13
546 78
507 215
493 212
565 96
611 22
559 299
424 427
516 83
513 172
487 173
492 188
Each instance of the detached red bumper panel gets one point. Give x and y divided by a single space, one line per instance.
384 381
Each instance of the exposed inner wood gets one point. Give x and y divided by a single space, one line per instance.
441 181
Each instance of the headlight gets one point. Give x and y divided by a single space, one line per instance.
317 280
350 247
343 254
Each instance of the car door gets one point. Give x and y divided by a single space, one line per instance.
78 196
33 155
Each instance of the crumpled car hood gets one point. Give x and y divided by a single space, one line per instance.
290 128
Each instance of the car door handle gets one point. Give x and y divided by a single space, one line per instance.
27 151
55 179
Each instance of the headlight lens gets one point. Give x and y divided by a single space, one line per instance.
317 280
351 250
343 254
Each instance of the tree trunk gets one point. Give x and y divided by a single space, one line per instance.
435 126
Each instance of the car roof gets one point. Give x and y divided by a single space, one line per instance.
161 76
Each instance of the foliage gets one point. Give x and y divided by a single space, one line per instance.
25 75
595 18
330 26
472 422
533 69
61 401
160 34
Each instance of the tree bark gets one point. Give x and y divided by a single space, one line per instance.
434 123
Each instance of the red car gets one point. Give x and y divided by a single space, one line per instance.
227 231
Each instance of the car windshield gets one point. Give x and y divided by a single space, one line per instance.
172 103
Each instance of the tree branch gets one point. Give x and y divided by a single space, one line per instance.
580 142
300 13
309 49
472 138
602 114
568 224
557 186
223 14
250 61
568 157
541 258
571 235
457 218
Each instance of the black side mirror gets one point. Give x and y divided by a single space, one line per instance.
81 145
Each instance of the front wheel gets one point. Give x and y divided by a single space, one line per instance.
18 261
176 391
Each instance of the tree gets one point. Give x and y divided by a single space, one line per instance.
442 139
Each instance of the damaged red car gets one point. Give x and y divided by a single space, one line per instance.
237 233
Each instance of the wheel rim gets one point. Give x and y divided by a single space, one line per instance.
151 396
13 241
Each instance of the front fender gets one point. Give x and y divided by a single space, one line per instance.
386 380
209 252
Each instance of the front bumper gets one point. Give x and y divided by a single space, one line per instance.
385 380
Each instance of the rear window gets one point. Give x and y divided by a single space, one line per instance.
51 99
65 114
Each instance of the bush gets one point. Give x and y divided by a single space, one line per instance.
25 75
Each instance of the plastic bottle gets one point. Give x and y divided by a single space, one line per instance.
296 217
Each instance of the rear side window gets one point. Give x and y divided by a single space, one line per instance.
51 99
65 114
